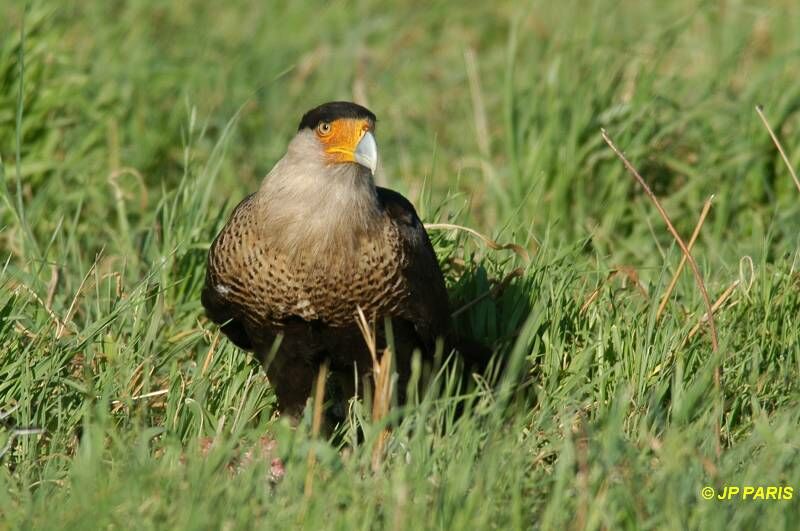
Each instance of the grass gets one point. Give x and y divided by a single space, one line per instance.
129 130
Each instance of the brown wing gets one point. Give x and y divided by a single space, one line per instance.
220 308
249 288
427 307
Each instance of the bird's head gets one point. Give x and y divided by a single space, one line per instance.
321 196
342 132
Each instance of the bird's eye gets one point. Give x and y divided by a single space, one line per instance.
324 128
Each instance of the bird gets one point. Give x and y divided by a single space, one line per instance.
316 242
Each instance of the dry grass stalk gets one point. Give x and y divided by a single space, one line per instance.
760 111
152 394
210 355
712 328
382 377
692 263
692 240
716 306
61 330
629 272
119 194
316 425
729 291
60 326
518 249
51 286
368 333
478 106
381 402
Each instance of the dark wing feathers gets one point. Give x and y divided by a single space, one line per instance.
427 307
223 313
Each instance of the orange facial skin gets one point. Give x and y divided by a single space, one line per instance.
341 137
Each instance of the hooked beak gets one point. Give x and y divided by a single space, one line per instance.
366 152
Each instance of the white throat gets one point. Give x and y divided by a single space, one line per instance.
313 210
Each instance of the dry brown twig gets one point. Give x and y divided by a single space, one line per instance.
716 306
712 328
381 402
492 244
690 245
382 376
722 299
368 334
518 249
51 286
60 325
746 281
117 282
62 330
629 272
692 263
210 354
152 394
760 111
316 425
119 194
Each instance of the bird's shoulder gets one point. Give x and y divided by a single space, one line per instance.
427 303
398 208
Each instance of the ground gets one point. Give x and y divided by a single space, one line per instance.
129 130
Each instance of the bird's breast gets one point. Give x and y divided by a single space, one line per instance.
271 286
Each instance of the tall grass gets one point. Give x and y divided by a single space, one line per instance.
129 130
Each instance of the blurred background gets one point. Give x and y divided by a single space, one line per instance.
493 108
130 129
